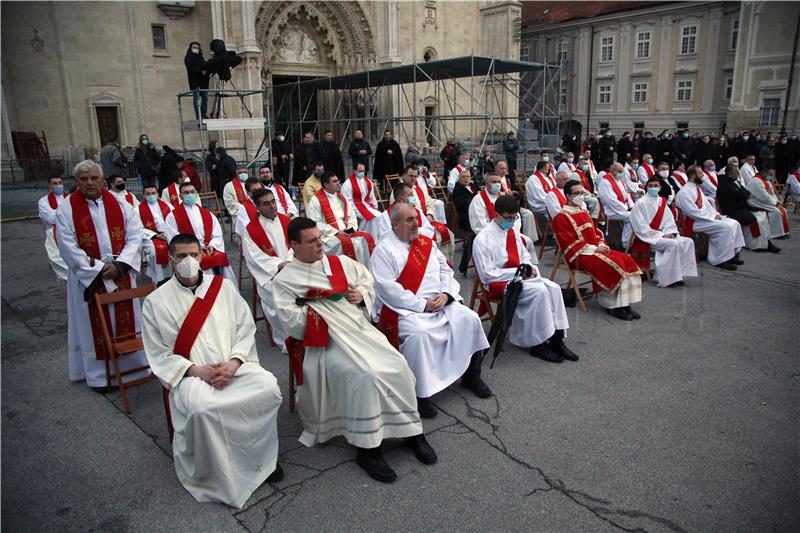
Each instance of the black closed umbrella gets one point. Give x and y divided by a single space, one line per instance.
506 310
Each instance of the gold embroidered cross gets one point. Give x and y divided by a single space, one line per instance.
117 234
86 239
258 467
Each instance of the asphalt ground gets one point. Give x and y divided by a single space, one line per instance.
686 420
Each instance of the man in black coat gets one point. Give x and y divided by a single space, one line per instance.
360 150
281 156
309 155
682 149
510 148
606 147
388 157
198 79
664 151
783 159
732 197
625 148
226 170
168 166
704 150
449 155
648 145
333 157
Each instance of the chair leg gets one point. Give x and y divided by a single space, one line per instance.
577 290
544 240
474 295
120 383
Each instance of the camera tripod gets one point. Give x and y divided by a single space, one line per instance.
216 107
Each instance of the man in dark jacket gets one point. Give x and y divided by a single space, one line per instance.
704 150
333 157
682 149
198 79
606 147
625 148
783 158
510 148
664 151
360 150
463 193
732 197
226 170
388 157
449 155
648 145
309 155
281 156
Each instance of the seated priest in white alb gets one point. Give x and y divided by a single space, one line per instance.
632 178
423 182
100 240
48 204
440 233
423 200
725 237
199 337
360 192
233 194
419 309
536 188
793 183
265 245
646 170
351 381
286 205
555 199
540 320
192 218
654 225
337 222
170 194
568 164
748 170
153 213
117 187
617 201
763 197
482 211
710 179
247 210
525 214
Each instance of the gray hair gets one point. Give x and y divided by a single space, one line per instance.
85 166
569 175
572 176
396 214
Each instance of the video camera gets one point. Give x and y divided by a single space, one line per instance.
223 60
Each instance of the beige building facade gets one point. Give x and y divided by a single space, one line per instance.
80 70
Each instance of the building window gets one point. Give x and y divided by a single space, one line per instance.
639 93
688 40
563 98
735 33
159 37
643 45
770 110
638 125
561 52
602 126
681 125
524 53
683 90
606 49
604 94
728 88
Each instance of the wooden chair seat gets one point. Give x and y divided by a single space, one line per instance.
561 264
128 346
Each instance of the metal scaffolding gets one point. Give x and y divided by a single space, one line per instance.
430 100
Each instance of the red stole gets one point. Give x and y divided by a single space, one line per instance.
149 222
316 332
347 240
679 179
640 250
421 197
410 279
174 197
504 185
784 215
281 195
615 186
86 235
129 197
489 205
584 179
562 200
241 196
260 237
496 288
251 209
546 184
711 177
360 199
649 170
688 223
218 258
51 199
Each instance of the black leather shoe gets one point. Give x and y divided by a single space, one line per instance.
543 351
426 408
619 312
276 475
371 461
422 450
473 382
634 314
772 248
736 261
561 349
727 265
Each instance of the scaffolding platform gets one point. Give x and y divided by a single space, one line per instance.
225 124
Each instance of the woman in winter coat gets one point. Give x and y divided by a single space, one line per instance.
198 79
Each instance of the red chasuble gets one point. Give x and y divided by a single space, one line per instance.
218 258
410 279
86 235
149 222
640 250
574 232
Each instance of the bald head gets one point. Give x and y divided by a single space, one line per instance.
562 178
404 222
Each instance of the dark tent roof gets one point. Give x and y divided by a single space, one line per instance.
442 69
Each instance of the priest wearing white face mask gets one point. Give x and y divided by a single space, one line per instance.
654 225
48 205
568 164
631 173
646 170
199 337
192 218
710 179
455 172
153 213
540 320
482 212
234 194
616 198
360 192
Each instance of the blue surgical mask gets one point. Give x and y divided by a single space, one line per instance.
712 168
506 224
768 178
145 141
360 174
320 173
58 190
494 188
243 176
151 199
189 199
412 201
653 191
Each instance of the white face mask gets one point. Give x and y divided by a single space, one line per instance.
663 173
546 158
577 201
620 175
195 50
281 138
412 201
188 268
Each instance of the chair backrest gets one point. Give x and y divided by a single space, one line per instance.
210 201
391 179
382 204
103 300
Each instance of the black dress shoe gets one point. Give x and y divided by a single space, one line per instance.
736 261
619 312
634 314
543 351
726 266
473 382
105 390
772 248
426 408
371 461
561 349
276 475
422 450
677 284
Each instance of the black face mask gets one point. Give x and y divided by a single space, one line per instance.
267 183
120 186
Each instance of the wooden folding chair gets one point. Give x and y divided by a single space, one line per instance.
648 272
391 180
561 263
547 229
480 294
210 201
122 345
382 204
